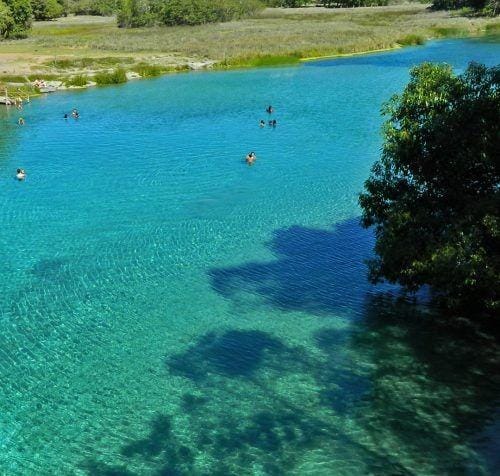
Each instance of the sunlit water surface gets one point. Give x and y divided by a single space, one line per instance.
166 309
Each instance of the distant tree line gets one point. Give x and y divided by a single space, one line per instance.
16 16
136 13
486 7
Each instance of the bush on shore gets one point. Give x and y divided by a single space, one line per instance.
117 76
79 80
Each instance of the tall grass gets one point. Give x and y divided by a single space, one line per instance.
117 76
148 70
86 62
449 32
410 40
260 61
79 80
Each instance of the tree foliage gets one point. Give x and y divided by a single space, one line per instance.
487 7
6 20
94 7
287 3
135 13
47 9
434 196
15 18
352 3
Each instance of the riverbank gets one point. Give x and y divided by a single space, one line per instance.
76 50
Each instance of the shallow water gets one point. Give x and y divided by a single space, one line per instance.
166 309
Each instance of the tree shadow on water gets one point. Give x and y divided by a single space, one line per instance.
430 387
316 271
395 395
234 353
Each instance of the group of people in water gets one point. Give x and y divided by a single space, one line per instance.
21 173
74 114
272 123
251 157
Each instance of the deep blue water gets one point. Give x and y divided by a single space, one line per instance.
166 309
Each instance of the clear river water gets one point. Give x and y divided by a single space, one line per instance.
167 310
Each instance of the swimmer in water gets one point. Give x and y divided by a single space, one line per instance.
250 158
75 113
21 174
20 121
262 123
269 109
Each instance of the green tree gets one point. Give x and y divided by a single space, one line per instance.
47 9
434 196
21 15
486 7
94 7
6 20
134 13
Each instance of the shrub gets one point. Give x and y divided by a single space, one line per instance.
79 80
47 9
94 7
148 70
409 40
16 23
118 76
135 13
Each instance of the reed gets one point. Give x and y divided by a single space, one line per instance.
117 76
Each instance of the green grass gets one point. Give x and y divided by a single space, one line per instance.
87 62
89 45
13 78
449 32
117 76
148 70
18 91
78 80
493 29
410 40
44 76
260 61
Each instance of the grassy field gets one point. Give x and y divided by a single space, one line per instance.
86 45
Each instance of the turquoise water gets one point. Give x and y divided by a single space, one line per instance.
166 309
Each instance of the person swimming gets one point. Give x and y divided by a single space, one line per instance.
269 109
250 158
262 123
65 116
20 174
20 121
274 123
75 113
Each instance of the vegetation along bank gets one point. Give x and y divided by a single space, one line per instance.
80 50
